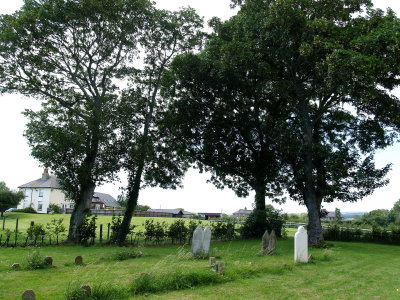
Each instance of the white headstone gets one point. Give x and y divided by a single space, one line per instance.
197 240
301 245
206 240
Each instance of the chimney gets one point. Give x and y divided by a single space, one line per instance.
45 174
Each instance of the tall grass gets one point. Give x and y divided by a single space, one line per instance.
98 292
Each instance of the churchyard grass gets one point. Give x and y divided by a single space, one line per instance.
345 271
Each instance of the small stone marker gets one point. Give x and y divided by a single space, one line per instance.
272 244
28 295
197 241
220 267
86 289
206 240
212 261
265 241
48 260
79 260
301 245
15 266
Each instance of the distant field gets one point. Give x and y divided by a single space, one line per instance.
346 271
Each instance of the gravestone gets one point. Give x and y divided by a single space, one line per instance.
220 267
79 260
48 260
265 241
87 290
15 266
197 241
28 295
301 245
212 260
206 240
272 244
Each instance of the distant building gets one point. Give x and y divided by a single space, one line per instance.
172 213
242 213
331 216
209 216
42 192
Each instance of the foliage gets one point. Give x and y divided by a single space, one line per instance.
100 291
36 231
9 198
378 217
116 222
55 208
338 215
223 230
3 186
178 231
87 230
35 260
271 101
394 213
56 227
27 210
124 255
274 221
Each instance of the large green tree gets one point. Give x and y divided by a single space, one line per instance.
8 198
321 72
71 54
149 159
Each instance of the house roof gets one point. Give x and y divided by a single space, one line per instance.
107 199
50 182
242 212
171 211
210 214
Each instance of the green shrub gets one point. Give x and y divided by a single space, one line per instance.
177 231
55 208
88 230
274 220
36 231
98 292
28 210
178 279
35 260
124 255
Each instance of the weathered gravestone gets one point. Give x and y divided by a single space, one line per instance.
301 245
28 295
271 244
87 290
197 241
15 266
48 260
265 241
79 260
212 261
220 267
206 240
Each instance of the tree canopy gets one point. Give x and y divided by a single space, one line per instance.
8 198
298 91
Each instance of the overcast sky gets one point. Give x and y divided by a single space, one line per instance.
18 167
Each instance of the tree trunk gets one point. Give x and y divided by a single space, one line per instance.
133 196
81 210
259 210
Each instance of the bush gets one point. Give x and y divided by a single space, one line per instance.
176 280
55 208
28 210
124 255
274 220
88 230
177 231
36 231
35 260
98 292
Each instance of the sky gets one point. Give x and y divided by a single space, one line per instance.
18 167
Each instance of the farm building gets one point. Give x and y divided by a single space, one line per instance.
242 213
210 216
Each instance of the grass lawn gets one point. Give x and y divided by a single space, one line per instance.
346 271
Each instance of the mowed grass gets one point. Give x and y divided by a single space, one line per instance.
345 271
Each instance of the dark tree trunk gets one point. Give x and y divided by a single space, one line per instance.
81 210
259 210
133 196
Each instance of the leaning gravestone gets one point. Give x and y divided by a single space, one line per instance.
87 290
206 240
301 245
79 260
48 260
271 244
197 241
265 241
28 295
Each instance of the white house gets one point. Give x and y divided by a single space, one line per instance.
42 192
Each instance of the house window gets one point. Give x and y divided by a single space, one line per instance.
40 193
40 206
26 193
